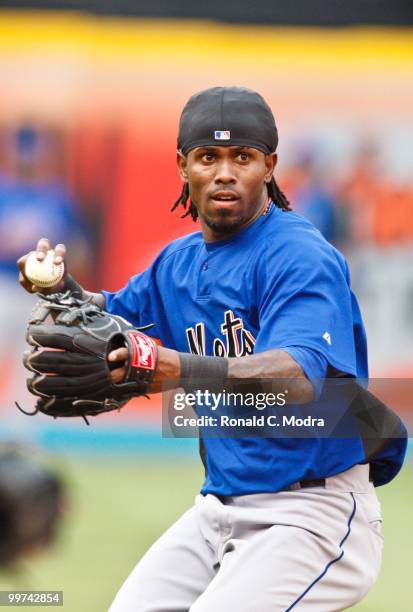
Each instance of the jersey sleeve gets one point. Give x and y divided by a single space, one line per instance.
138 301
154 297
304 300
125 302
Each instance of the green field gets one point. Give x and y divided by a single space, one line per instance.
117 509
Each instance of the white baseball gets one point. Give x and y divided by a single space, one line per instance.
43 273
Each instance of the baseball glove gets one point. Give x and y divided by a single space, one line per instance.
71 340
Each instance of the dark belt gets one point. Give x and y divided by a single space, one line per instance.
296 486
305 484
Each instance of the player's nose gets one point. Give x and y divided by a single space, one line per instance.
225 172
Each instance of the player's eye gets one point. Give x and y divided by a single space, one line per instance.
208 157
243 156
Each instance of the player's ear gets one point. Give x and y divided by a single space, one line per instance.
270 163
182 162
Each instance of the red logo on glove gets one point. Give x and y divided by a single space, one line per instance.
144 350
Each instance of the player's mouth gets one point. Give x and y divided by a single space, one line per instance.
226 197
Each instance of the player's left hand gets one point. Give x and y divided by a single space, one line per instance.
118 374
167 368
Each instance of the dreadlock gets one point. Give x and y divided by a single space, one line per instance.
183 201
274 192
278 196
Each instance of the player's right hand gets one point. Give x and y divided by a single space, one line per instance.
42 247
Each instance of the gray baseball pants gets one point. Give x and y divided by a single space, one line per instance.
316 549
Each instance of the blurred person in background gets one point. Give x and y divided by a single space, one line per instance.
312 198
33 199
31 503
358 192
379 207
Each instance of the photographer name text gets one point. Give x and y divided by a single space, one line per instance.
254 421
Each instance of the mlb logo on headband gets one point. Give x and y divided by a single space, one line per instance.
222 135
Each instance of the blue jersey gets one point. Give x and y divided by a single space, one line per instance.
275 284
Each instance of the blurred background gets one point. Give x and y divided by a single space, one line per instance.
90 99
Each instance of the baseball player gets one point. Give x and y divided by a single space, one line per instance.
280 523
